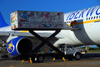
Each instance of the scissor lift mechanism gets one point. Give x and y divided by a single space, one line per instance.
45 41
34 52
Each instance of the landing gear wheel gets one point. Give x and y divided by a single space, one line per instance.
40 58
77 56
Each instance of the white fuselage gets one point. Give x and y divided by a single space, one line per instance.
88 20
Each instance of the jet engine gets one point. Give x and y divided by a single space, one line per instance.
19 46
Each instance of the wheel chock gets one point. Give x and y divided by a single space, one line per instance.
22 61
31 60
53 59
64 59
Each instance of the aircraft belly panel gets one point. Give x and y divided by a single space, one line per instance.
70 38
82 35
93 31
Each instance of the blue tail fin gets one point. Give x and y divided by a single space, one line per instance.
2 22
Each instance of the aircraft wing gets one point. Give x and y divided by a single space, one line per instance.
6 31
6 36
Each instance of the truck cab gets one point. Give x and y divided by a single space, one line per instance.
70 51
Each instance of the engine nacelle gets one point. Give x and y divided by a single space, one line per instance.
19 46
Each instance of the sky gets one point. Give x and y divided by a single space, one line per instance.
9 6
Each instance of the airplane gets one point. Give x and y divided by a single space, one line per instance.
87 20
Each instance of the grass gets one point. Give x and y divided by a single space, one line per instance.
97 49
94 50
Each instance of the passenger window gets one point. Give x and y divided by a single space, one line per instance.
86 18
97 17
91 17
94 17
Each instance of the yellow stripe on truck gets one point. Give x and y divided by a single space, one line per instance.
24 31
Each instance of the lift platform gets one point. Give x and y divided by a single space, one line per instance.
36 20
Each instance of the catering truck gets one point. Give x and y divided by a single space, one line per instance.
28 45
70 52
67 51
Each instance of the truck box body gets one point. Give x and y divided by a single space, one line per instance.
36 20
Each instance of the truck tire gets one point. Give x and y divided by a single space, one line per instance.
77 56
40 58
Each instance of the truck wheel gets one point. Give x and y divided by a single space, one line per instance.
40 58
78 56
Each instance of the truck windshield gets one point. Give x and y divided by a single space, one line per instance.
69 46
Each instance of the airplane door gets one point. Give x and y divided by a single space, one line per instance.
77 23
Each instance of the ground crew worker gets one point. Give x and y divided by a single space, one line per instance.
73 22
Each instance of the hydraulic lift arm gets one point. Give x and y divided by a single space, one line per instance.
44 41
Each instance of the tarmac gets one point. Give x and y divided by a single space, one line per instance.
88 60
